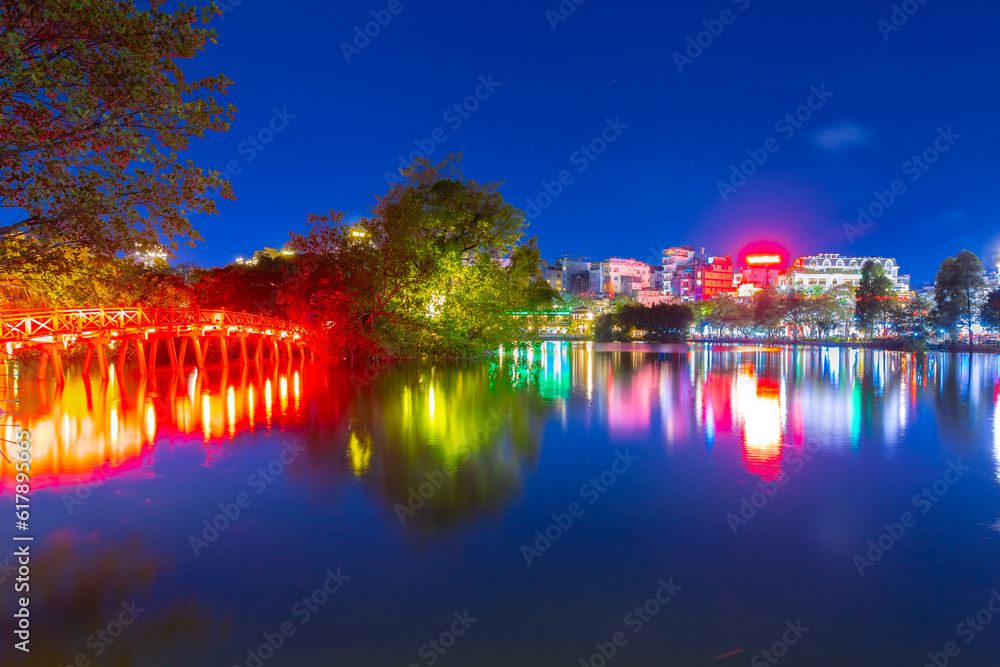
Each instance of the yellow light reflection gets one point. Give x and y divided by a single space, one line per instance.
268 401
206 416
283 389
150 424
359 450
114 425
430 403
231 410
250 405
758 407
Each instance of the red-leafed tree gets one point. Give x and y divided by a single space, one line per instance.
94 109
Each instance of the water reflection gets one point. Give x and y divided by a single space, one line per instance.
412 420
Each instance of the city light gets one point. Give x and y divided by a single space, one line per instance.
762 260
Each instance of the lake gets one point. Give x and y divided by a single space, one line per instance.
564 504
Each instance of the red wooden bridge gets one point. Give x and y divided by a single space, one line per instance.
55 331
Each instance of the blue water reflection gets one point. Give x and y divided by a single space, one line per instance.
220 501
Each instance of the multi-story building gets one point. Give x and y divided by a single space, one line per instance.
677 278
606 276
712 277
828 270
562 273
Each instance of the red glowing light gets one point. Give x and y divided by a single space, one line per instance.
763 260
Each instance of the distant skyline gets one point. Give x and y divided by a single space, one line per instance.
615 131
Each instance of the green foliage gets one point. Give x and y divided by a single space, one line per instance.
875 297
769 309
95 110
989 315
958 291
660 323
437 268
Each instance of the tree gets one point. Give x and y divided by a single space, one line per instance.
438 267
95 110
768 310
875 297
958 291
912 317
989 315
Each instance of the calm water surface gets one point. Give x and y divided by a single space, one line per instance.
524 511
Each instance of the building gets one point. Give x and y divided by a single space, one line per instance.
677 279
272 253
606 277
827 270
653 297
560 276
712 277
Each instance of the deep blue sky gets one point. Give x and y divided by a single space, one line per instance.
656 184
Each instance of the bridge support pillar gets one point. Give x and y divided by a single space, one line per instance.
88 357
198 354
154 347
121 353
140 354
243 351
172 352
52 352
225 350
288 348
277 354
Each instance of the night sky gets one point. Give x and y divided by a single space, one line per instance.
886 93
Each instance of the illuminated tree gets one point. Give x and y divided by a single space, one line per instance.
989 316
958 291
436 268
95 110
875 298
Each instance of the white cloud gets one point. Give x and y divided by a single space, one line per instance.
842 135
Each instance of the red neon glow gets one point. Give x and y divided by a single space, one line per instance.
763 260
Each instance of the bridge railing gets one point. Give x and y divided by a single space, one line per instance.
32 325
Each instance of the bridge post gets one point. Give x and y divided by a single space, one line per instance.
57 366
121 354
43 365
259 354
172 352
140 354
288 347
243 350
181 355
225 350
277 354
102 361
154 347
199 355
88 357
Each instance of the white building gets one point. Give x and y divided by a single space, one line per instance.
607 277
829 270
